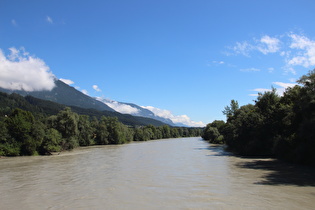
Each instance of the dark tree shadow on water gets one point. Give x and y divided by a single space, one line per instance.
217 150
277 172
282 173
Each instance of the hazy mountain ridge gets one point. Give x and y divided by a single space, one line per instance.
147 113
136 110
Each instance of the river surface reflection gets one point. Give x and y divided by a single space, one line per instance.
185 173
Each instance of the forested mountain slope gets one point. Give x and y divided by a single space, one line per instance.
45 107
64 94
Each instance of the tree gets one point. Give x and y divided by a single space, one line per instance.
308 81
174 133
166 131
115 135
20 125
85 131
52 142
211 134
38 133
8 145
304 121
138 135
67 125
241 132
229 111
102 132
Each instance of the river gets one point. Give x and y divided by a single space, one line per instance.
185 173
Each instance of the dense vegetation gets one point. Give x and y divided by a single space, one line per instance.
26 129
278 126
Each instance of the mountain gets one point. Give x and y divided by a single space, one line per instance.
136 110
69 96
64 94
147 113
40 106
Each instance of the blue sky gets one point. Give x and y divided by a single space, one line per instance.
187 58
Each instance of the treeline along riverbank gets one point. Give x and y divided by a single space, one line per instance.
32 130
274 126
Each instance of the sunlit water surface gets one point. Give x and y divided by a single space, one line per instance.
185 173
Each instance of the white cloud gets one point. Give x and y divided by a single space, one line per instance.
159 112
119 107
279 90
184 119
49 20
295 50
218 62
250 70
95 87
289 69
283 86
259 90
268 45
305 55
242 48
253 94
262 90
85 92
67 81
265 45
20 71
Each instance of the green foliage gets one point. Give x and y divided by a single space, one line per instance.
8 145
166 131
51 142
114 127
229 111
213 132
20 126
274 126
138 135
85 136
101 132
67 123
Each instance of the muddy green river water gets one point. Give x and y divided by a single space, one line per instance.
185 173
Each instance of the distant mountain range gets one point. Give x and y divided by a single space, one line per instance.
136 110
69 96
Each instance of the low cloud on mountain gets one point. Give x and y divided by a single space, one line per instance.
179 119
119 107
162 113
21 71
67 81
